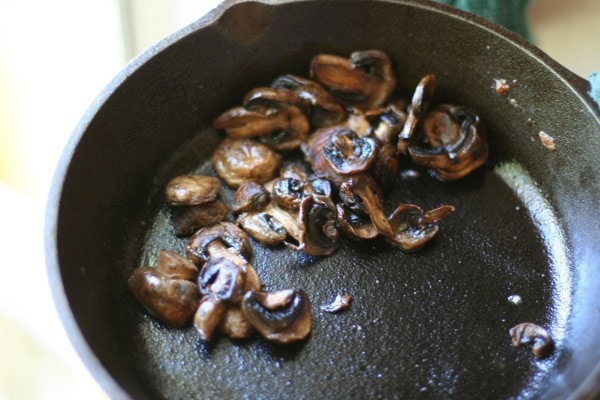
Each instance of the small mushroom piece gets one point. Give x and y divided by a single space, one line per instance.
324 108
289 192
172 301
341 303
386 123
319 234
187 219
225 234
365 80
386 168
453 143
270 226
192 190
234 324
529 333
223 279
282 323
421 101
269 97
313 154
250 196
349 154
241 160
413 228
208 317
355 224
176 266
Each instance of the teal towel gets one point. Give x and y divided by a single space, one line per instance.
595 87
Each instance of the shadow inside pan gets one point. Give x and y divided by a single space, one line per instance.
429 324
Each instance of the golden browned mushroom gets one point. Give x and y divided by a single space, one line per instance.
286 320
421 101
271 225
413 227
226 237
319 234
242 160
187 219
365 80
250 196
208 317
222 279
386 123
289 192
192 190
538 337
349 154
176 266
234 323
386 167
453 143
171 300
355 223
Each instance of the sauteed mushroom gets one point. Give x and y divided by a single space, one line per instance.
227 234
365 80
234 323
192 190
187 219
413 228
286 320
529 333
271 225
251 196
209 315
175 266
355 223
319 234
241 160
348 154
421 101
289 192
453 143
387 122
222 278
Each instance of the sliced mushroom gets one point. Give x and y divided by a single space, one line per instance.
349 154
529 333
192 190
283 323
365 80
176 266
421 101
241 160
234 324
413 228
386 167
225 235
289 192
319 234
251 196
187 219
223 279
355 224
270 226
208 317
453 143
324 109
386 123
313 153
173 301
261 97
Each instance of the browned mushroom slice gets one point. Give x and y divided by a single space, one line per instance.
250 196
176 266
349 154
293 134
173 301
225 234
242 123
209 316
365 80
289 192
192 190
386 167
453 145
321 186
234 324
529 333
361 193
270 226
223 279
241 160
386 123
421 101
324 110
355 224
413 228
187 219
319 234
283 323
270 96
313 153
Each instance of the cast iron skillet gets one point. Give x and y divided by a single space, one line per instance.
428 325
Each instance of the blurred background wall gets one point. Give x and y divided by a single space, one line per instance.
55 57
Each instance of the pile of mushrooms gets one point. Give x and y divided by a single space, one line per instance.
310 159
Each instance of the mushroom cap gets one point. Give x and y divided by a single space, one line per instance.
176 266
413 228
208 317
222 278
250 196
227 233
355 224
263 226
348 154
319 234
192 190
187 219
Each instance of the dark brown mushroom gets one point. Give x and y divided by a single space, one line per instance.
176 266
324 108
349 154
421 101
208 317
453 143
283 322
250 196
187 219
365 80
224 234
223 279
271 226
234 324
289 192
386 123
192 190
313 153
319 234
355 223
261 97
413 228
386 167
242 160
538 337
170 300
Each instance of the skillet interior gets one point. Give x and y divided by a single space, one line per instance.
432 324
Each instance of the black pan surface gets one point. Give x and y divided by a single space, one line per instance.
433 324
